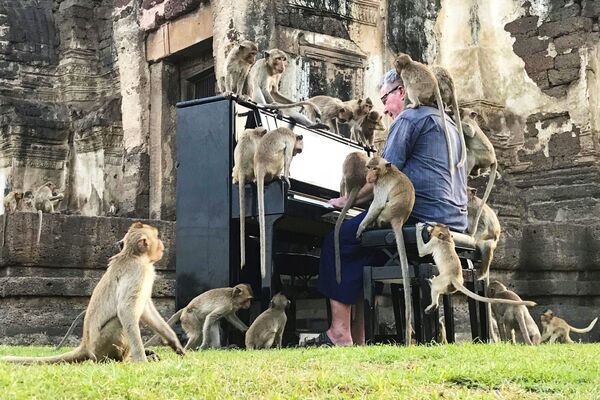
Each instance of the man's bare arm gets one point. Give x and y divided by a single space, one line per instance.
365 195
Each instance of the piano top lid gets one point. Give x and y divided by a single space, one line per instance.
204 100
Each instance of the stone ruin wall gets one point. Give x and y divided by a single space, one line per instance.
87 100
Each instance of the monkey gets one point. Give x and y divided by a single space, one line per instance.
265 75
27 204
370 123
448 93
333 111
273 156
199 319
267 328
480 156
243 171
393 201
360 109
354 177
422 88
64 339
45 198
11 203
555 328
237 67
119 302
12 200
512 318
450 277
487 233
112 208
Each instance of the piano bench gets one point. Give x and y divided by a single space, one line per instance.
421 269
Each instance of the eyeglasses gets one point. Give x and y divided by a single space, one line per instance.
385 96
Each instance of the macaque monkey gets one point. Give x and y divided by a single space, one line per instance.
119 302
112 209
333 111
354 177
555 328
27 204
488 232
237 68
450 277
267 328
442 337
360 109
46 198
422 88
265 75
272 158
370 123
11 204
511 318
243 171
481 157
393 201
200 318
448 92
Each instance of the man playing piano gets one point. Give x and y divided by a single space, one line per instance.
417 146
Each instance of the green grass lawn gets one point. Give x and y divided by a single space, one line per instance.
426 372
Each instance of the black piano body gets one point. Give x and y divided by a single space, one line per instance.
207 246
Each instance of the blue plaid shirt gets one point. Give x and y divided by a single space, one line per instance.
417 146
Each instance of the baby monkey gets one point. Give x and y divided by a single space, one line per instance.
555 328
267 328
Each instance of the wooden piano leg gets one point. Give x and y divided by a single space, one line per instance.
268 283
449 318
369 308
398 305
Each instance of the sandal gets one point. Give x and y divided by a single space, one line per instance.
320 341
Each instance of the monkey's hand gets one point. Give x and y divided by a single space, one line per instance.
431 309
286 180
360 230
179 350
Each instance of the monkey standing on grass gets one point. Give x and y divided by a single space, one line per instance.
243 171
200 318
555 328
422 88
272 158
393 201
121 299
267 328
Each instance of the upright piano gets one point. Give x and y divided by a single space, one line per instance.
207 248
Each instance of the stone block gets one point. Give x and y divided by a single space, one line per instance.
174 9
563 13
591 8
565 27
528 45
522 25
557 91
562 76
572 41
564 144
541 79
539 62
571 60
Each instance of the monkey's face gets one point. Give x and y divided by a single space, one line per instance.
18 196
298 145
366 107
376 167
547 316
495 287
143 239
440 231
277 60
280 302
402 61
242 295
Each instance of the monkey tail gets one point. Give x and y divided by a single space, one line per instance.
242 190
336 233
171 322
584 330
5 224
260 189
58 346
39 233
76 355
463 145
477 297
438 97
399 235
523 328
486 194
279 106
